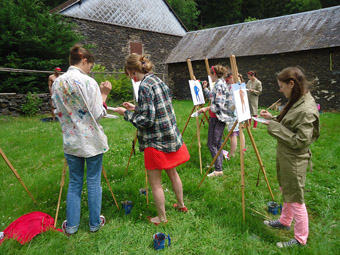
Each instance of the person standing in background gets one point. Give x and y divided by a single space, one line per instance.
254 89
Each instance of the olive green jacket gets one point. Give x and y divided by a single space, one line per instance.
253 97
298 129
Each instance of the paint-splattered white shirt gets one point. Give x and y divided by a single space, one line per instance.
79 107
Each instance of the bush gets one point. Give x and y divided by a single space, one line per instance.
121 85
31 107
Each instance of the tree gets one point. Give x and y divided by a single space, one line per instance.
219 12
186 11
31 38
295 6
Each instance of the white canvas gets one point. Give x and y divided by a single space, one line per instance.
211 84
135 86
241 102
196 92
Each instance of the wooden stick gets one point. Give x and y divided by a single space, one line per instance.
242 169
146 187
234 68
191 72
259 158
207 67
108 183
186 124
199 140
62 182
218 153
16 174
272 106
131 152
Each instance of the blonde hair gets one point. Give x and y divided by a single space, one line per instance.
139 63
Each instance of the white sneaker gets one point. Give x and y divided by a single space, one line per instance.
226 155
215 174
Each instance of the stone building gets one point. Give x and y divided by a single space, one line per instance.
310 40
118 28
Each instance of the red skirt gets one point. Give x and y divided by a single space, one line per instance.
155 159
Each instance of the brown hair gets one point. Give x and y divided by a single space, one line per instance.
78 52
252 73
139 63
301 86
218 70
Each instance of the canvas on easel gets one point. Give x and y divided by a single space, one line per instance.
242 104
196 92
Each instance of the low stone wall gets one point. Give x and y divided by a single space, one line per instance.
11 103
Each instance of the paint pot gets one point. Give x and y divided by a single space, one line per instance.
142 191
273 207
159 240
127 205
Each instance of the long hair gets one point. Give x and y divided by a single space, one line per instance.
301 86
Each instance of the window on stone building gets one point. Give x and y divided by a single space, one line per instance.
136 47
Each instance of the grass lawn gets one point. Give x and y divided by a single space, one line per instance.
213 224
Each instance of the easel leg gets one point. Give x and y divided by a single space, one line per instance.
62 182
131 152
259 159
108 183
199 140
242 170
218 153
16 174
186 124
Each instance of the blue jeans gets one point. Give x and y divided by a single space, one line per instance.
73 201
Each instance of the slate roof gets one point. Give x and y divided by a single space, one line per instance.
151 15
303 31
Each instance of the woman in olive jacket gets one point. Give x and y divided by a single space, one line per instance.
254 89
295 129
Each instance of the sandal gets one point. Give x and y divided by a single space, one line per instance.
149 218
183 209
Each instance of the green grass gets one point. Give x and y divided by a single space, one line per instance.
213 224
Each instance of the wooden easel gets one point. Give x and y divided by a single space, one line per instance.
62 183
195 107
204 116
16 174
133 152
241 127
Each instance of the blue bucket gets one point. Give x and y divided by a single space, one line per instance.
127 205
159 240
274 207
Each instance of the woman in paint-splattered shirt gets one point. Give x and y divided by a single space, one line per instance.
80 103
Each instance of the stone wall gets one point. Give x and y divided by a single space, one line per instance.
315 62
112 43
11 103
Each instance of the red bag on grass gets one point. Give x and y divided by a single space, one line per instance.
28 226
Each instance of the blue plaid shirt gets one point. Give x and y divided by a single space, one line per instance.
220 102
154 116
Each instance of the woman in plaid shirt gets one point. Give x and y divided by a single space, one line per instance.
220 114
158 135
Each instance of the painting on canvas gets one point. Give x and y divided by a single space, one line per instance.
196 92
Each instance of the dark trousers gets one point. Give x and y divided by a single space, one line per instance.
215 134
